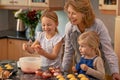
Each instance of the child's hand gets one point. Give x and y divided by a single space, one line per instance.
84 67
38 49
24 46
74 69
28 48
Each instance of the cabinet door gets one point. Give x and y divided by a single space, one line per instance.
14 49
3 49
7 2
55 4
108 6
21 2
117 38
14 2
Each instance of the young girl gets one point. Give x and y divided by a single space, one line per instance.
49 42
91 63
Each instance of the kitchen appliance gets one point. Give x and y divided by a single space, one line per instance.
20 27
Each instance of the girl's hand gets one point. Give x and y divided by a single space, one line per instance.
24 46
38 49
74 69
28 48
84 67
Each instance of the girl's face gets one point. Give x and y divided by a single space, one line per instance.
85 49
48 25
74 16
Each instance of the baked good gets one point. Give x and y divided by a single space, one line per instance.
81 75
70 76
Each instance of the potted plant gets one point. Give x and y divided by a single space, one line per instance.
30 18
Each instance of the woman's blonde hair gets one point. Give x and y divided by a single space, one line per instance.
51 15
91 39
84 7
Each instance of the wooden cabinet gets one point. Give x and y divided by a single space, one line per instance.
117 37
108 6
35 4
14 2
3 49
118 8
52 4
15 50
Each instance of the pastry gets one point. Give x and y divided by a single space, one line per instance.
70 76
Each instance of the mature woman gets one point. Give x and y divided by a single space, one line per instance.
82 19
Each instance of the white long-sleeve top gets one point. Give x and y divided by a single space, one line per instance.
71 46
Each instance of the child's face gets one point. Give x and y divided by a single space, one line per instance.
85 49
48 25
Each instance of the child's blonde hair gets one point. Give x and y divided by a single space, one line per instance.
91 39
52 15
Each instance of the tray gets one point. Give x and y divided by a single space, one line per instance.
8 66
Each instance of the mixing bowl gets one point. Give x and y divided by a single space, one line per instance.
29 64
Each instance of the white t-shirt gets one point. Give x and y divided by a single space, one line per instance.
47 45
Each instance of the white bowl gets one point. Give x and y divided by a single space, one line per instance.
29 64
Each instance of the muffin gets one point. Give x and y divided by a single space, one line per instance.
70 76
62 78
73 78
81 75
59 76
84 78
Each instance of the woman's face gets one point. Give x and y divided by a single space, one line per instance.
74 16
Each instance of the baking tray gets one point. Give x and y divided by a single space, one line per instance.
12 63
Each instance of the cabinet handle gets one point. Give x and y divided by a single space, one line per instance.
100 4
11 2
10 42
15 1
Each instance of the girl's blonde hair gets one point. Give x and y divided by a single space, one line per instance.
91 39
51 15
84 7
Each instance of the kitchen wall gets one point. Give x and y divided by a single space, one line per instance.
7 20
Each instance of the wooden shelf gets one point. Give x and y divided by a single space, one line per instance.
110 12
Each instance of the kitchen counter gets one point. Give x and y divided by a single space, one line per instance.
13 35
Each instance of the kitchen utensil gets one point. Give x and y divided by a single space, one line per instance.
29 64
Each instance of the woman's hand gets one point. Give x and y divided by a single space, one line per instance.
116 76
84 67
